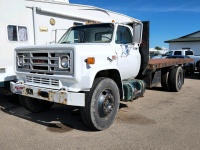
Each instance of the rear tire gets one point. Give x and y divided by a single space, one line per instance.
33 104
199 71
198 68
176 79
164 79
102 104
192 68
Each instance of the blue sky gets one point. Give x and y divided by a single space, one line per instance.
169 19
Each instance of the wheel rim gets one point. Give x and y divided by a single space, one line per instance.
105 103
179 79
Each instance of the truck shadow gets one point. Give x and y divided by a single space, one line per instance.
60 118
157 88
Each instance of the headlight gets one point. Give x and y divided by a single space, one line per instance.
65 61
20 60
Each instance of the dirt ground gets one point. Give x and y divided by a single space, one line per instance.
159 120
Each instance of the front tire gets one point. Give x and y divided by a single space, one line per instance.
102 104
34 105
176 79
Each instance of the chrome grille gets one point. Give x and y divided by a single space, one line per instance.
44 81
42 62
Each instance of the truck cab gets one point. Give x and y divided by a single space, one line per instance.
90 67
115 39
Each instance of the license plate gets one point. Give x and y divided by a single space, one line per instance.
18 89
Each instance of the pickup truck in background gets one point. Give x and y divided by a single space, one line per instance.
175 52
188 67
181 52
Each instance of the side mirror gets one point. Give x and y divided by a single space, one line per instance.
137 33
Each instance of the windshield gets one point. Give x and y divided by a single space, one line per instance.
168 53
95 33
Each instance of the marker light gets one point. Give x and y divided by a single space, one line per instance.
90 60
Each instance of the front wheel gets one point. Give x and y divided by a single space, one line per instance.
102 104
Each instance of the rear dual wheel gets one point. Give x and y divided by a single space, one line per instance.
198 68
172 80
176 79
164 79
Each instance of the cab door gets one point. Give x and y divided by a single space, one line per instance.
127 52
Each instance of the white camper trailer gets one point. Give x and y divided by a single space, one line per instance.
35 22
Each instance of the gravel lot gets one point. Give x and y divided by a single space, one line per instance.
159 120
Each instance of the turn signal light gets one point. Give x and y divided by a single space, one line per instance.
90 60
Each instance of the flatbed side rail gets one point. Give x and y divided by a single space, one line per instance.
155 64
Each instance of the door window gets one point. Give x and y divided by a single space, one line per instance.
177 53
123 35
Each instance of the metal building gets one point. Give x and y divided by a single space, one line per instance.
190 41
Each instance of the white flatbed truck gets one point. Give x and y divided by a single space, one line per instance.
94 66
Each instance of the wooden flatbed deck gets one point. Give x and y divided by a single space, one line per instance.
161 63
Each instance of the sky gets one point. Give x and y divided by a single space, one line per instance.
169 19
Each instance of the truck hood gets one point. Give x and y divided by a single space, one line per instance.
63 46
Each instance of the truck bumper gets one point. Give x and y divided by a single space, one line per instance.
57 96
